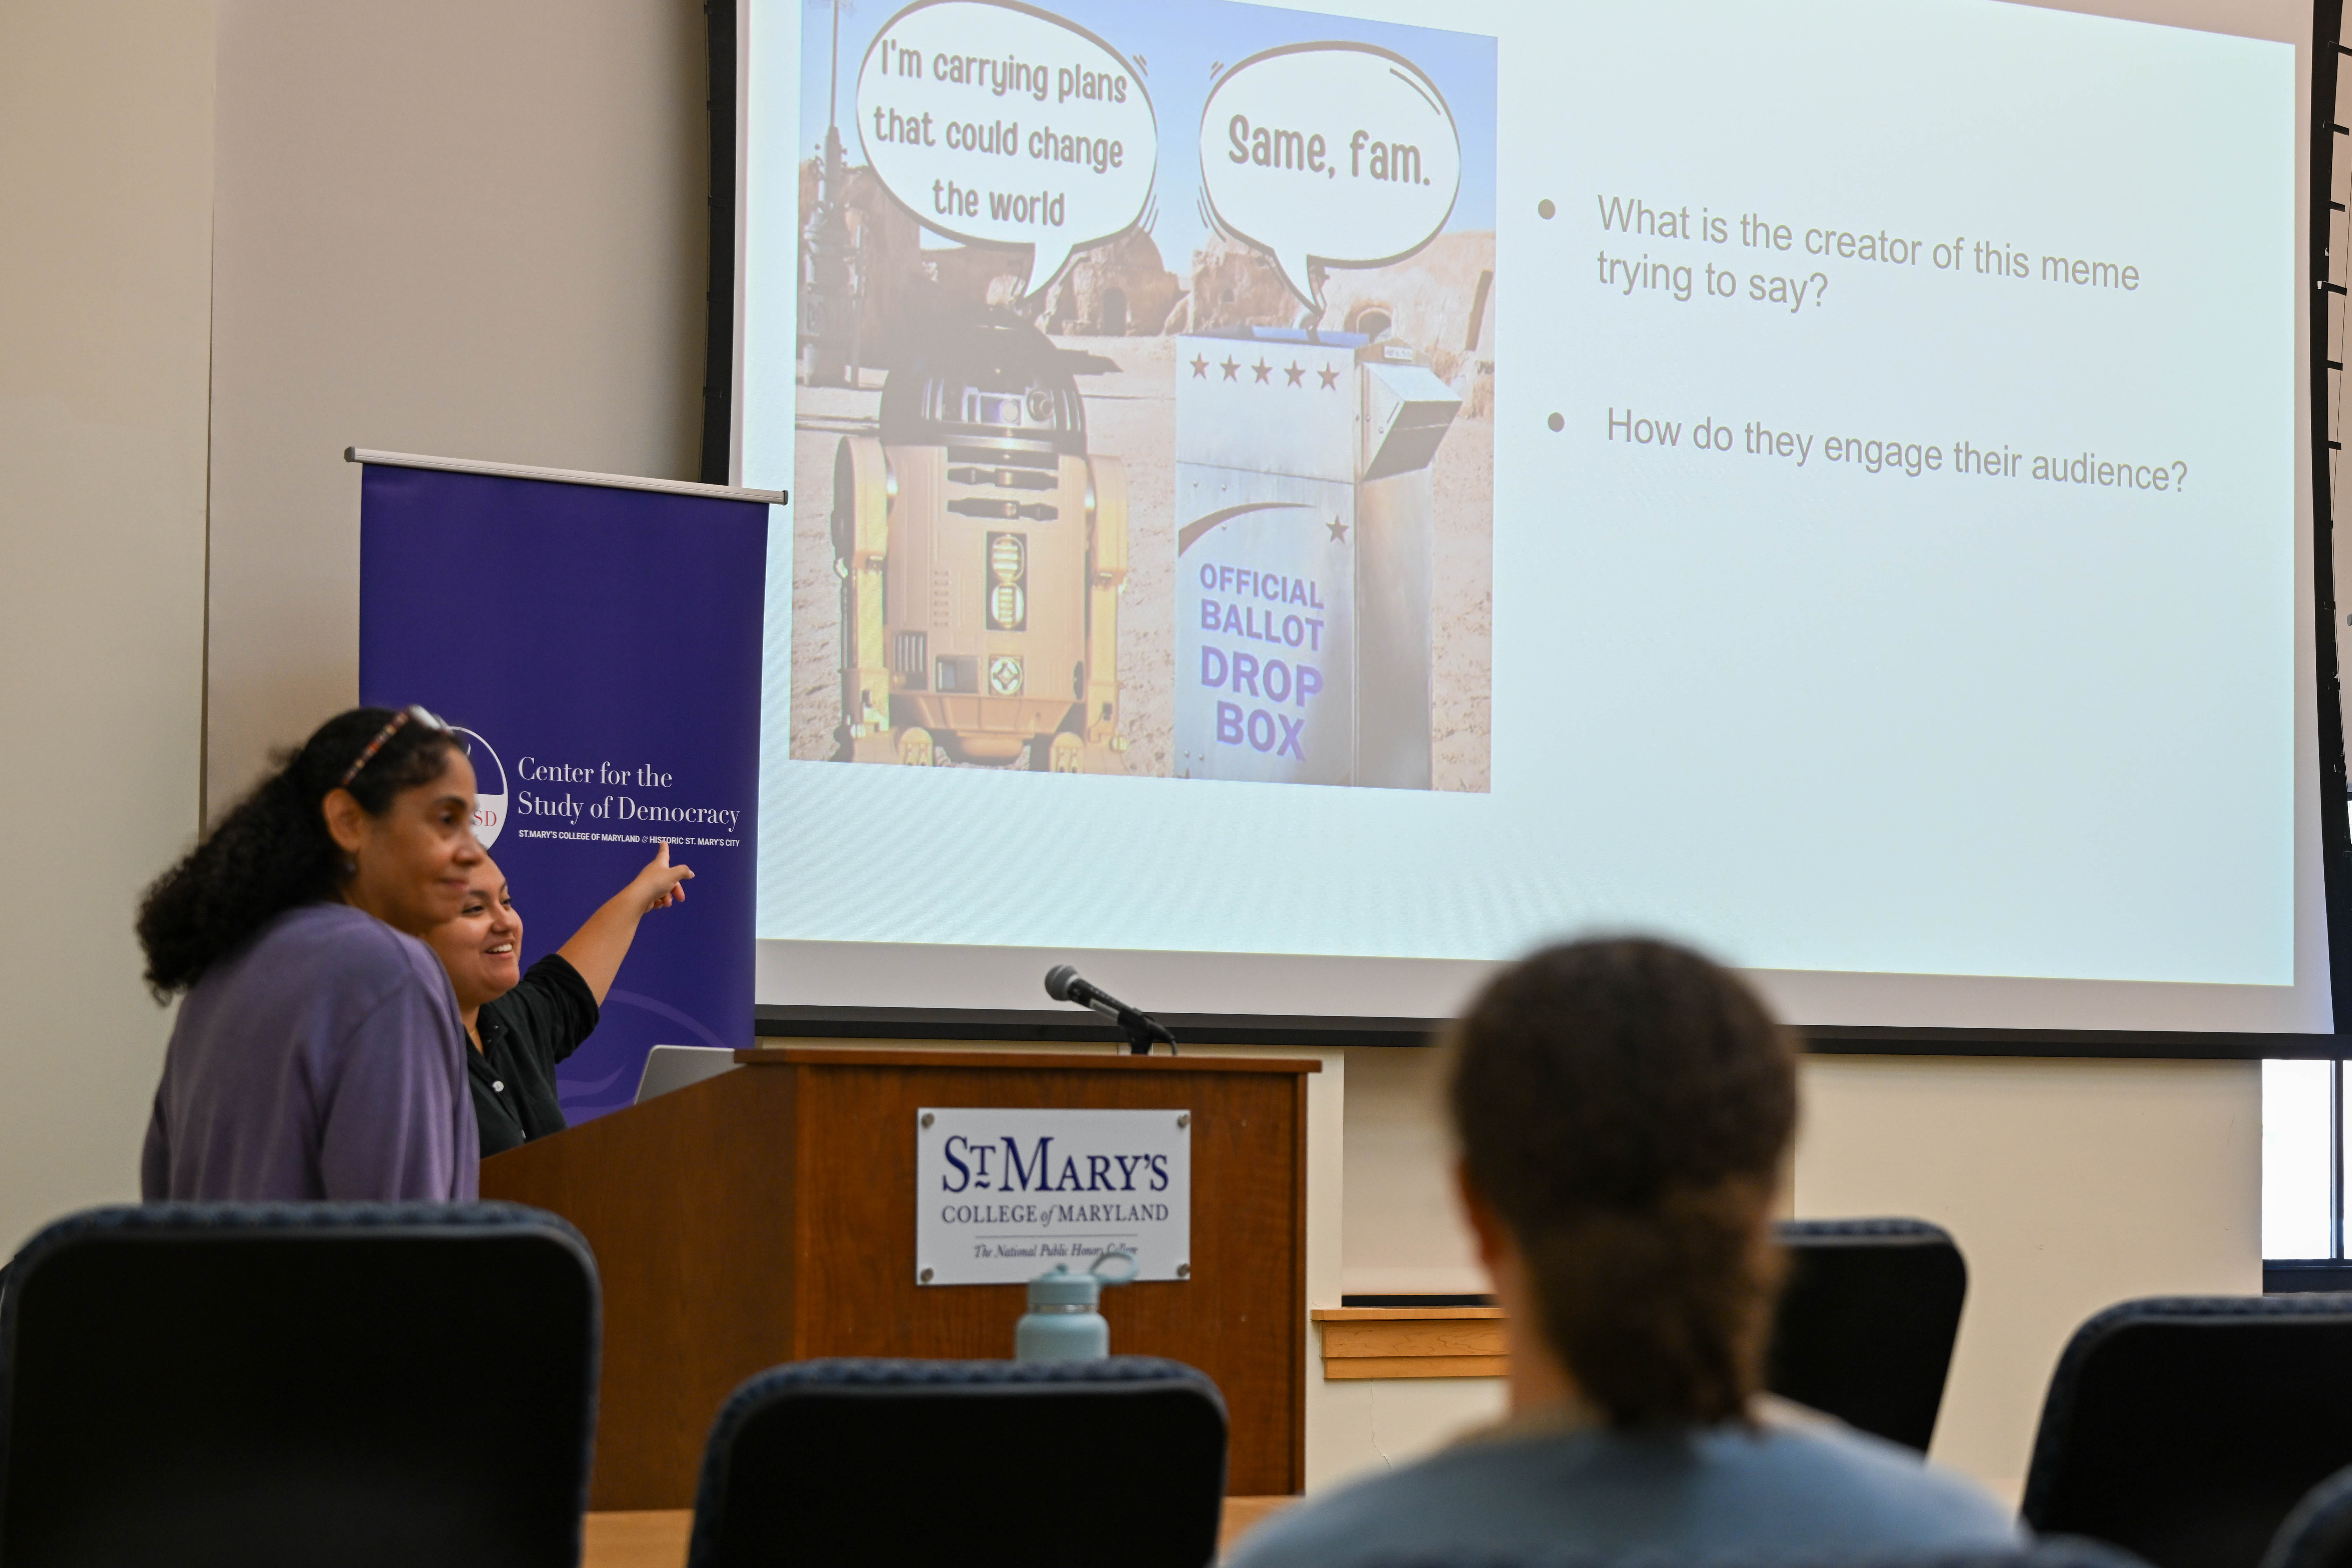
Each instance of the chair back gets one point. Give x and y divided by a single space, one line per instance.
2187 1428
1864 1327
875 1464
298 1383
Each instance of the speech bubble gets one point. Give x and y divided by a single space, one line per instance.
995 123
1340 153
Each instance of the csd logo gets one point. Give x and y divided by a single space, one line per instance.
490 796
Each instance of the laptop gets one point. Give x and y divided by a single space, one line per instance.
674 1067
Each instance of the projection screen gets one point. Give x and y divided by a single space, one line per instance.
1294 506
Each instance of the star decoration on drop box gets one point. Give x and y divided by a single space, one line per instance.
1294 373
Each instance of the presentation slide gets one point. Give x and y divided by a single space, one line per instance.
1292 506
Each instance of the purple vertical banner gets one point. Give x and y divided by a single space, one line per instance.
599 647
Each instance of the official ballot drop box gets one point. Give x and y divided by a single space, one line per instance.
1304 556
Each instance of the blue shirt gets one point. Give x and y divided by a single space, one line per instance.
1785 1487
323 1060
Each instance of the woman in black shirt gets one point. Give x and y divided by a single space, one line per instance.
521 1025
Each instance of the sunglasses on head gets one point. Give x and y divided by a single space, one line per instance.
414 712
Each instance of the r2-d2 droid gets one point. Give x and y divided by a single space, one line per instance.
981 552
1304 556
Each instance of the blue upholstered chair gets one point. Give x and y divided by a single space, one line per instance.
2187 1428
874 1464
1864 1327
282 1384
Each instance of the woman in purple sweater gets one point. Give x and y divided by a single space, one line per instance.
318 1052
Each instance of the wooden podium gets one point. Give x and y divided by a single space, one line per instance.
768 1214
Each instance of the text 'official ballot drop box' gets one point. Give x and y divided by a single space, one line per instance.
1304 556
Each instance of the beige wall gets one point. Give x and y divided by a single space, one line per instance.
1404 1234
473 228
106 171
2068 1185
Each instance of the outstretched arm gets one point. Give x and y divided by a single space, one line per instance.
597 948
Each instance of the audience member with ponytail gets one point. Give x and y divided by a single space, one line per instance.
1624 1111
318 1052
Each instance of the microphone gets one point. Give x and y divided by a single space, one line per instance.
1063 983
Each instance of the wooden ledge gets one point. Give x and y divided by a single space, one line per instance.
1029 1061
1401 1315
1365 1343
658 1539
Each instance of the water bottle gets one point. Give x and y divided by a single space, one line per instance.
1063 1323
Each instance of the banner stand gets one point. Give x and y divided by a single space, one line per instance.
595 639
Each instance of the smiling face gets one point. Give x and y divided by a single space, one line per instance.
482 947
410 868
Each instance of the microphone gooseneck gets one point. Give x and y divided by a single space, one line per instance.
1063 983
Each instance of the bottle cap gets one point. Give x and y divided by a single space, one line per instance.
1060 1288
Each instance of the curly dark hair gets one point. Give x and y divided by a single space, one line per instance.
272 851
1624 1105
